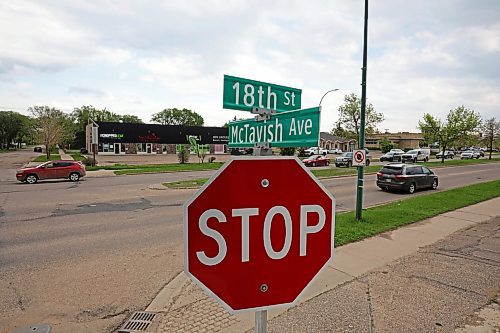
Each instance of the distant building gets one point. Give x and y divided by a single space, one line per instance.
329 141
400 140
127 138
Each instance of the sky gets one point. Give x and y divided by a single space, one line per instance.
140 57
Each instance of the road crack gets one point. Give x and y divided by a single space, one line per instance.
19 297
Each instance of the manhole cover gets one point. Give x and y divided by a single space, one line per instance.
140 321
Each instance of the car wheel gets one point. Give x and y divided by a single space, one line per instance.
337 165
367 162
31 179
411 188
349 164
415 160
426 159
74 177
384 188
327 163
434 184
477 157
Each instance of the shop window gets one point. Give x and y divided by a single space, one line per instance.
141 147
371 141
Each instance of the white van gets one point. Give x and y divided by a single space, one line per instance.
415 155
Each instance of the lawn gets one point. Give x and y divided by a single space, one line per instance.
124 169
43 158
396 214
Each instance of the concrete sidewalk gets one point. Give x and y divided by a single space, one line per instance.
426 277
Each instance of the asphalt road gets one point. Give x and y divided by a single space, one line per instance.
84 255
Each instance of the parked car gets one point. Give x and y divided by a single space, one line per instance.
406 177
447 154
316 151
72 170
415 155
84 151
346 159
391 157
469 154
395 150
335 151
316 160
37 149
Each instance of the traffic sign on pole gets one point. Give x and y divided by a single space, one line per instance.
287 129
244 94
255 235
359 157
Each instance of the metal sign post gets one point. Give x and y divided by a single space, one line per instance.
261 321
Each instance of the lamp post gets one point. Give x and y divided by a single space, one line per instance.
329 91
321 100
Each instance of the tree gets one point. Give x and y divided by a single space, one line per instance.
350 116
51 126
460 123
178 117
128 118
11 123
491 132
386 145
340 132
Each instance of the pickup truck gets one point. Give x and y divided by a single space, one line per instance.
316 151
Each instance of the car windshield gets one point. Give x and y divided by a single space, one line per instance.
349 154
389 154
412 152
392 170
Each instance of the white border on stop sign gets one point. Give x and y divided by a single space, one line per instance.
207 184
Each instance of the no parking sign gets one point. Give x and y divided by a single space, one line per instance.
359 157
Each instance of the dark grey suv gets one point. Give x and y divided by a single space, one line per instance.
406 177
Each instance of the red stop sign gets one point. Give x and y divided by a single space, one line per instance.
258 232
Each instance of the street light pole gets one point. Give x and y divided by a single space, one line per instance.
329 91
359 191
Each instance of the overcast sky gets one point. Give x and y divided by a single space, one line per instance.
139 57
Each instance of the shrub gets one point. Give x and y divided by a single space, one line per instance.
183 155
301 152
287 151
386 146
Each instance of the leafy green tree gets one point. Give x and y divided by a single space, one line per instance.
287 151
52 126
26 134
340 132
491 133
460 123
350 116
385 145
178 117
128 118
11 123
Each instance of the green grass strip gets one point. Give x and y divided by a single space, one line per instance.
194 183
395 214
78 157
43 158
167 168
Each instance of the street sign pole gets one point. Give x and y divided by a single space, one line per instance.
359 192
261 321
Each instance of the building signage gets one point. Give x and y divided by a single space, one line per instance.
111 135
243 94
287 129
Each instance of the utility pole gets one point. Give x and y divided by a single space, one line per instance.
359 191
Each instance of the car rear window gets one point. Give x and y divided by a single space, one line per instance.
392 170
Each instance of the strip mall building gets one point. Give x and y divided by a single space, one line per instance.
126 138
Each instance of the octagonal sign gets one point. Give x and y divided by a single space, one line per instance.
258 232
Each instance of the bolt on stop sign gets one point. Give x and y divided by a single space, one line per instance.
258 232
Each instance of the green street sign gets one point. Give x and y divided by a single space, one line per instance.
243 94
286 129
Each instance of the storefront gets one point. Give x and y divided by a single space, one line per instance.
127 138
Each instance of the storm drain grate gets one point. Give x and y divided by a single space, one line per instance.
139 321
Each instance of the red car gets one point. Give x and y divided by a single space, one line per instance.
72 170
317 160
